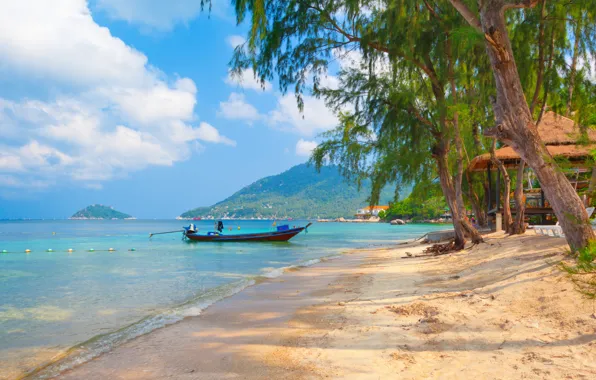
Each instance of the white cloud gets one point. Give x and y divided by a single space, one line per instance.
206 132
247 80
157 14
10 163
114 113
353 59
235 40
236 108
13 182
315 118
304 148
60 40
156 103
329 81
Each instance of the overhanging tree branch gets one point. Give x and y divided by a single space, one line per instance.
467 14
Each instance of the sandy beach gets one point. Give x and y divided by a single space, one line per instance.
500 310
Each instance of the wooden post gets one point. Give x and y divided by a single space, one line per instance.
489 201
498 191
592 185
499 221
543 215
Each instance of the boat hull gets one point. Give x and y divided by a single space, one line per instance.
256 237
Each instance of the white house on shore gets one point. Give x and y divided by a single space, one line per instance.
367 212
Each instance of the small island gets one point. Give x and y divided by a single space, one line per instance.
100 212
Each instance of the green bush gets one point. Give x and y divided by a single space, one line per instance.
583 274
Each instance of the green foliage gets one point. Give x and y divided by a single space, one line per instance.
299 193
425 202
423 84
545 39
99 212
402 104
583 274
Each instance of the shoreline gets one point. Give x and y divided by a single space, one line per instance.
278 297
370 313
99 345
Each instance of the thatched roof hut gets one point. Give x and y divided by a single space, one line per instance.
559 134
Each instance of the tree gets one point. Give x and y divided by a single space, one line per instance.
296 40
515 124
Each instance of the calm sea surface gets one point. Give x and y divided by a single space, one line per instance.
75 305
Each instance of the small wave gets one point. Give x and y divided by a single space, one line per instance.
274 273
103 343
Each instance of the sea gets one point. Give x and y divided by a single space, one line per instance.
86 286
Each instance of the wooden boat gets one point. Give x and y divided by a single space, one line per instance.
282 233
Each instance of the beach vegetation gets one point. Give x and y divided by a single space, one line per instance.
583 272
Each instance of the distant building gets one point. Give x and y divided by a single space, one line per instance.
367 212
446 216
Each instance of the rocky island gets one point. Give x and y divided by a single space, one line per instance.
98 211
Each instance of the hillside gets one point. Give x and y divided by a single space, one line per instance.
100 212
299 193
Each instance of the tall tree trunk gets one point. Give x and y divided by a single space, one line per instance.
516 128
507 219
463 217
477 207
440 154
547 84
540 70
459 147
519 226
480 213
573 69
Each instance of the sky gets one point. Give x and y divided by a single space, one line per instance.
129 103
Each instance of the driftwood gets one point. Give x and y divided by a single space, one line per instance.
435 250
440 249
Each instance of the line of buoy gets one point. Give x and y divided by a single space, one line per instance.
70 250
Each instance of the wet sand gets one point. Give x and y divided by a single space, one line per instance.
500 310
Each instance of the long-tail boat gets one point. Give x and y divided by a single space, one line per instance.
281 233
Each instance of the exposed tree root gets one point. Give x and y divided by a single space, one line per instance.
436 250
441 249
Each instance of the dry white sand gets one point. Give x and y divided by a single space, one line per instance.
501 310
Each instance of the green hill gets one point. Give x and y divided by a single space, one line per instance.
99 212
300 192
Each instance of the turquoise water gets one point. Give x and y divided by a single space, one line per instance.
53 301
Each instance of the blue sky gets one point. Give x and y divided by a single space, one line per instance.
129 103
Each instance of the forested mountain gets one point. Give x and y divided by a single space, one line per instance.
300 192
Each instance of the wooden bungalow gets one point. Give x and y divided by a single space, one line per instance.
562 138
